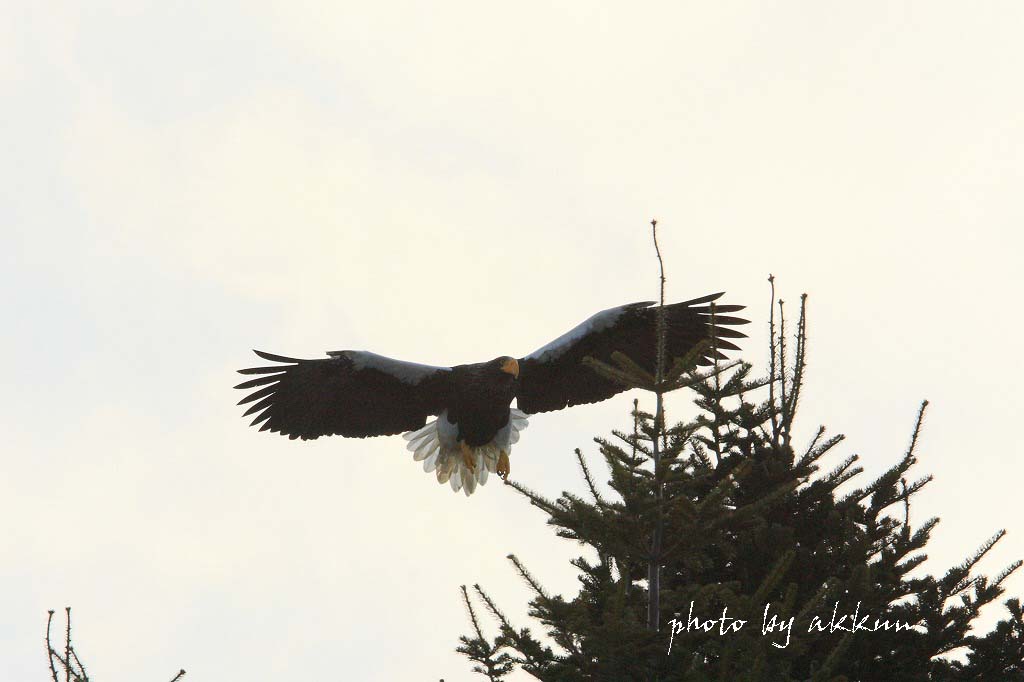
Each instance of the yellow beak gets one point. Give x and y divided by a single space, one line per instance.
511 366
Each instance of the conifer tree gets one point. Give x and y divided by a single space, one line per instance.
723 517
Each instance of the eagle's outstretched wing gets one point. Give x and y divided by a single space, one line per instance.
351 393
553 376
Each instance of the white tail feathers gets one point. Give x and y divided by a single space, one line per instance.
436 445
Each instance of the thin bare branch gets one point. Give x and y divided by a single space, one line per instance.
49 647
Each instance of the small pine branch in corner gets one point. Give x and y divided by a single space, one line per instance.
65 665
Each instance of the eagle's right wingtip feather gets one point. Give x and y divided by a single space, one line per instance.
274 358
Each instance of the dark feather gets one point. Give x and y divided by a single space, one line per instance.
257 395
259 381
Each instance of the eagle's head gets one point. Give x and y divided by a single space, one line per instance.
507 367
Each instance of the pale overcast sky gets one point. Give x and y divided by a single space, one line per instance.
446 183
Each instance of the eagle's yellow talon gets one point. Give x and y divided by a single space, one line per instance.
503 466
467 457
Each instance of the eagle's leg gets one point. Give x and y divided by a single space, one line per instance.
503 465
468 458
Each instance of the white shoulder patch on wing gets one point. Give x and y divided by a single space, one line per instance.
595 323
408 372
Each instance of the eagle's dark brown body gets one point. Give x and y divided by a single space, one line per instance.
480 400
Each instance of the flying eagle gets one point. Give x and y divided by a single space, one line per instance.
360 394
